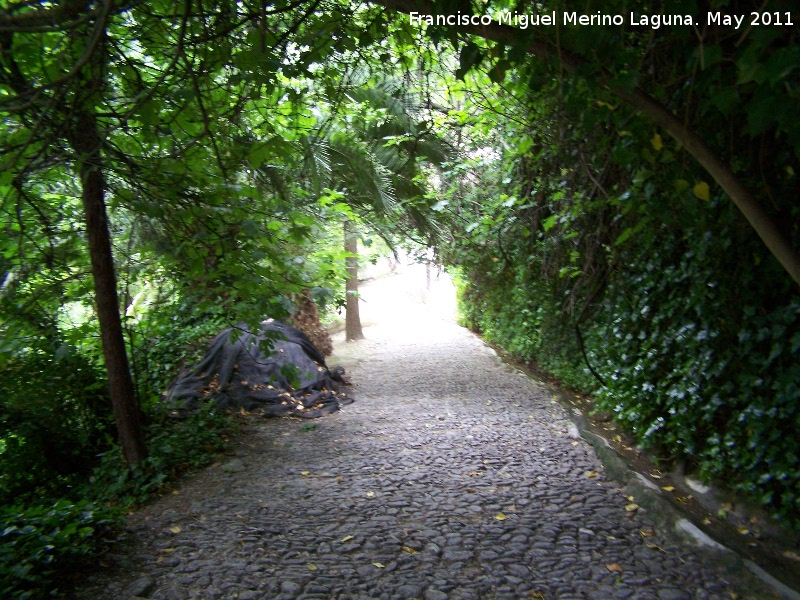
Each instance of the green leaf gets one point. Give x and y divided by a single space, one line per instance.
549 222
702 191
470 56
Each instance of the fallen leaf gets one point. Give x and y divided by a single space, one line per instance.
168 550
305 472
647 532
743 530
175 529
409 550
347 538
312 567
500 517
592 474
471 490
379 565
668 488
370 494
631 507
614 567
656 475
792 555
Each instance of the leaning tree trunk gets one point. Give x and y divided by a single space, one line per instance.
352 318
85 140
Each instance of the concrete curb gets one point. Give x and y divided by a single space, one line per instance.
672 522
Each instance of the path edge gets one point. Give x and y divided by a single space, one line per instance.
676 525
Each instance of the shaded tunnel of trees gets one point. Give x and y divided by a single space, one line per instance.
617 204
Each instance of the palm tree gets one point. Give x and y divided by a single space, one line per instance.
372 151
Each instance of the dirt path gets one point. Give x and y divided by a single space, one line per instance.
451 476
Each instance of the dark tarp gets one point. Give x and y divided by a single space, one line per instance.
275 372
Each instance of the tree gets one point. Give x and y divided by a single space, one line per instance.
71 116
146 103
353 329
569 59
374 147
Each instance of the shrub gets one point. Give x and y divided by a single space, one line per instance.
38 544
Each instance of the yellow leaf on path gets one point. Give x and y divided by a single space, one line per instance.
743 530
168 549
647 532
370 494
175 529
409 550
631 507
701 191
347 538
614 567
668 488
305 472
657 142
500 517
792 555
592 474
312 567
379 565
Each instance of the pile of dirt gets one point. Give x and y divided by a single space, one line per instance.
275 372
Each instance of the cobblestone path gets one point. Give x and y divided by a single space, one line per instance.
451 476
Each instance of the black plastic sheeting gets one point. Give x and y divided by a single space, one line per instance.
276 372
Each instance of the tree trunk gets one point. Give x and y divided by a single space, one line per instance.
352 318
85 139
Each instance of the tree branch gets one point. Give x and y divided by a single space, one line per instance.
765 227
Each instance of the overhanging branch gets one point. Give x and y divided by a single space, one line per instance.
777 243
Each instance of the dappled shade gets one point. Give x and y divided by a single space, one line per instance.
276 372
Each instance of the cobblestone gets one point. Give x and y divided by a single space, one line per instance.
451 476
